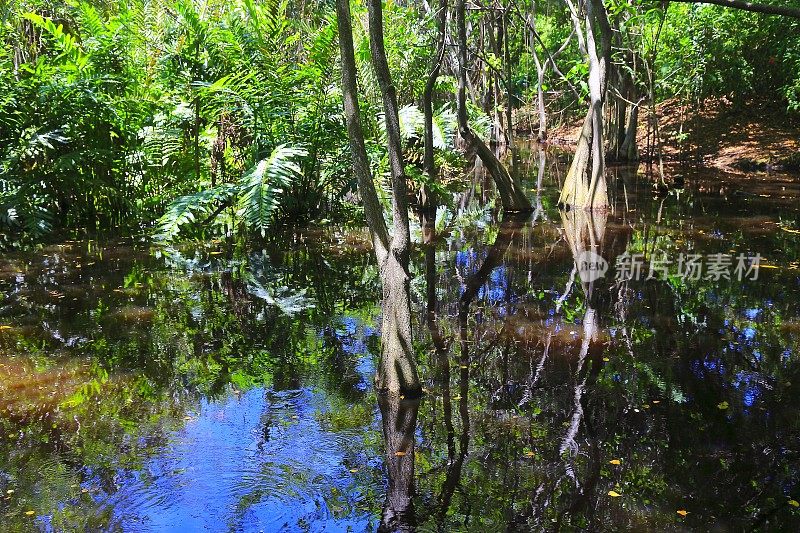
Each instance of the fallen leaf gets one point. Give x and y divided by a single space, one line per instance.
30 513
656 401
353 470
10 491
464 366
614 494
723 405
682 512
4 327
399 454
606 359
530 454
794 503
646 406
615 462
456 398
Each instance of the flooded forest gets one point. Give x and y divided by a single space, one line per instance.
399 265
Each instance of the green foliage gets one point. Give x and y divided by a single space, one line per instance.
256 196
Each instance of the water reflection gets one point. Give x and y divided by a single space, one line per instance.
208 388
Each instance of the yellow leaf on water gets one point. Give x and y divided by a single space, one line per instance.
656 401
615 462
10 491
723 405
456 398
353 470
614 494
399 454
794 503
464 366
606 359
682 512
216 253
4 327
30 513
530 454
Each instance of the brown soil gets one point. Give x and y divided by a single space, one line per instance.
735 138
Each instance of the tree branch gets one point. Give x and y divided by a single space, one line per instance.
767 9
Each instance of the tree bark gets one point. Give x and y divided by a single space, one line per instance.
397 371
580 190
355 133
427 203
767 9
511 193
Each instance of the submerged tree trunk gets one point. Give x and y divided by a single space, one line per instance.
397 370
511 193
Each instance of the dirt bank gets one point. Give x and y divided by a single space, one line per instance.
756 135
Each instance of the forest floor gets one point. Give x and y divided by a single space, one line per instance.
747 137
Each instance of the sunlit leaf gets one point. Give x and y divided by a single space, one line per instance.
615 462
682 512
723 405
614 494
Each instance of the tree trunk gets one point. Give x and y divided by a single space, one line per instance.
397 371
427 202
366 187
511 193
582 190
630 150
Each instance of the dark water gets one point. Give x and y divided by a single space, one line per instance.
218 389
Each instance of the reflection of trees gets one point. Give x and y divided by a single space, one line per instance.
399 416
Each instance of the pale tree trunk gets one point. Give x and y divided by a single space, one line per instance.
581 189
397 370
511 193
539 81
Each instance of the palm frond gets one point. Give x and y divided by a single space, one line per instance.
262 185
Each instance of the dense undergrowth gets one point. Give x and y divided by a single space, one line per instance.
191 118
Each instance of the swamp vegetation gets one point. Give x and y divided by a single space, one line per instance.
357 266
